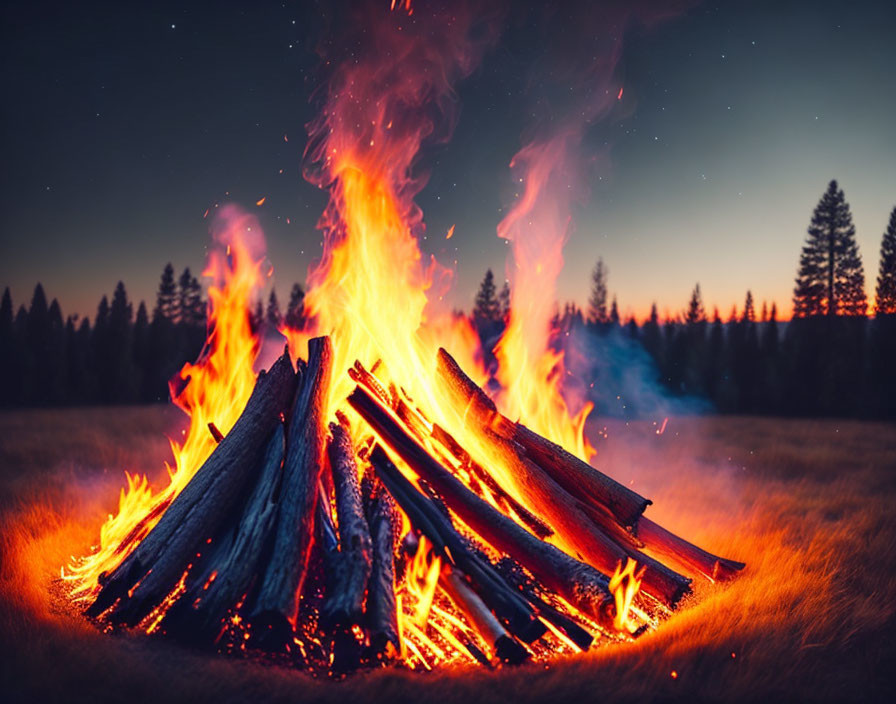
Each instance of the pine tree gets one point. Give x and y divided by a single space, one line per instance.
651 336
885 295
487 307
830 280
597 303
614 314
273 316
295 318
166 298
504 301
695 313
118 384
749 315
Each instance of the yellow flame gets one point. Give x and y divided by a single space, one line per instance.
624 585
217 388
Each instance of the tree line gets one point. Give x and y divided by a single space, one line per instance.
830 359
121 356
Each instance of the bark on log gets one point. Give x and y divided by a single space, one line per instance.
274 612
689 556
199 614
347 584
565 468
508 605
382 613
576 582
152 570
502 644
584 528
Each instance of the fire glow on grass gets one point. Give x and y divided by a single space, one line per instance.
373 292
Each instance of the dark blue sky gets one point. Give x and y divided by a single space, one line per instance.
122 125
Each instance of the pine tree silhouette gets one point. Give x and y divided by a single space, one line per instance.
166 298
695 313
273 317
487 316
597 303
504 301
885 295
830 280
749 314
295 317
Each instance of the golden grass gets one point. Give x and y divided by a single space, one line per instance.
809 505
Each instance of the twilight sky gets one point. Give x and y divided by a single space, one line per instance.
122 125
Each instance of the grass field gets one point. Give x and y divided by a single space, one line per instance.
809 505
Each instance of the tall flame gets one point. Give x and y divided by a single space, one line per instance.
213 390
531 374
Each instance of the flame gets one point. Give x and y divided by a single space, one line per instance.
624 585
213 390
530 372
422 577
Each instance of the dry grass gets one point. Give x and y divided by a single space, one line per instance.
808 504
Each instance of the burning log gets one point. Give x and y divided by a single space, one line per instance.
229 573
689 556
146 577
576 582
344 602
566 469
507 604
382 611
503 645
530 519
276 606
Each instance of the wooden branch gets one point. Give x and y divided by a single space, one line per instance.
228 576
511 608
576 582
346 586
689 556
151 571
503 645
533 523
382 613
274 612
585 530
566 469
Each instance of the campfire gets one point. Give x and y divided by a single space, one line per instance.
366 527
380 494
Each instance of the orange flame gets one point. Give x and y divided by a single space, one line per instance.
216 389
624 585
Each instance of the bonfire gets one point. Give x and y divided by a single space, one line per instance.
379 495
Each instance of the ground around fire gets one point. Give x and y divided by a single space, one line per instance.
807 504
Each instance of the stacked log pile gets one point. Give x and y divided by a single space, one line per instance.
289 537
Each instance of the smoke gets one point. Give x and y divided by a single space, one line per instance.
618 375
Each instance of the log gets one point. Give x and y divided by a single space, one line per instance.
275 609
566 469
503 645
509 606
382 612
143 579
578 583
689 556
347 583
228 577
531 521
584 529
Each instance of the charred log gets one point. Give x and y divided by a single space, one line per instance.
576 582
275 609
347 583
152 570
510 607
236 558
382 611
